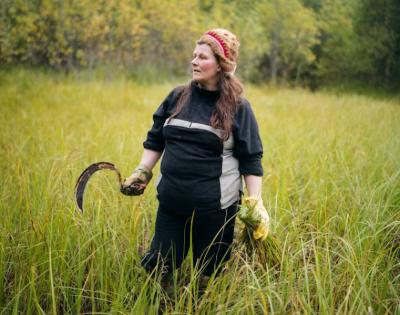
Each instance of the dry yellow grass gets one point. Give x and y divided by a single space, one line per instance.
332 185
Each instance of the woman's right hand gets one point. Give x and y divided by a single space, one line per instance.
135 184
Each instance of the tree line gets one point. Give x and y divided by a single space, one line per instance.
308 42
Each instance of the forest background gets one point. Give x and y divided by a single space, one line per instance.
297 42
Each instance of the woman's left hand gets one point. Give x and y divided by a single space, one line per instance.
261 214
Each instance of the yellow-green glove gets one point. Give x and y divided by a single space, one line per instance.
259 216
135 184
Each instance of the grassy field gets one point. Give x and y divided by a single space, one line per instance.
332 185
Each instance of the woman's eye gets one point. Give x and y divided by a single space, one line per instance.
200 56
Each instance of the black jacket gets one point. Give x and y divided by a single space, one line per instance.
197 170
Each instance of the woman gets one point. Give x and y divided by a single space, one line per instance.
208 138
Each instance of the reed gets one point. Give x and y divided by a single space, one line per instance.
331 185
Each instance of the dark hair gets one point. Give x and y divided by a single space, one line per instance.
227 104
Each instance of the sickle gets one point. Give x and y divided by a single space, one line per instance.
84 178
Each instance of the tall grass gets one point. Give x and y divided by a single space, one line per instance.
332 185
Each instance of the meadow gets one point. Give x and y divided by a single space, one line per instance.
331 185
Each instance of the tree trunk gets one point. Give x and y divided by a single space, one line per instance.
274 56
298 72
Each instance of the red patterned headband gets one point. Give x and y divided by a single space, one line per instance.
220 42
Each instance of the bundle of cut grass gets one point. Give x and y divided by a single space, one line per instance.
267 249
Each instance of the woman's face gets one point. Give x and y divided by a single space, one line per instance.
205 66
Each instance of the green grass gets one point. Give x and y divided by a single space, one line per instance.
331 184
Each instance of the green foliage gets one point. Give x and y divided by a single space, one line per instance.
378 24
360 42
296 41
340 44
291 31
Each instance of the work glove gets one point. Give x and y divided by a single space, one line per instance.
259 216
135 184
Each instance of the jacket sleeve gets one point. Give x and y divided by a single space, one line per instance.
248 147
155 140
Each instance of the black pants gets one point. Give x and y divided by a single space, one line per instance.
211 233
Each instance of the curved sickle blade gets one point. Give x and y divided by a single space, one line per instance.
84 178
